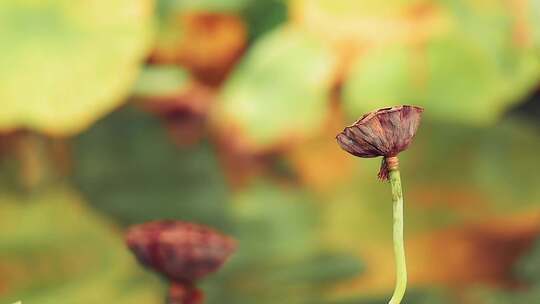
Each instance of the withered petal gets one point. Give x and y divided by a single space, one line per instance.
357 136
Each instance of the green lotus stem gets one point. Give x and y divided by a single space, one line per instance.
399 248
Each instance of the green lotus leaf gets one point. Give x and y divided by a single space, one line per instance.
264 15
167 6
160 81
280 89
145 176
534 14
469 73
65 63
281 256
527 270
54 249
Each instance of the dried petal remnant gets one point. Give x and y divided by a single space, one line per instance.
384 132
182 252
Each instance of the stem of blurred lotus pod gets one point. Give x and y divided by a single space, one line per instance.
399 248
31 153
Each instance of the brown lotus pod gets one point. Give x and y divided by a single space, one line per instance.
384 132
182 252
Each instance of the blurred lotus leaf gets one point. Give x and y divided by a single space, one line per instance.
534 14
479 160
494 296
211 43
351 26
208 44
418 296
527 271
279 91
160 80
63 64
281 258
167 6
144 176
462 61
319 165
53 249
262 16
528 268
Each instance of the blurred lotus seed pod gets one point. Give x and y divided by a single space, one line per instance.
182 252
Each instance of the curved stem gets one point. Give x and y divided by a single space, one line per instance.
399 248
